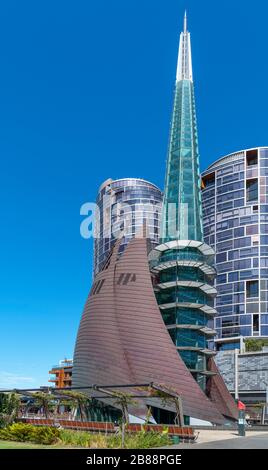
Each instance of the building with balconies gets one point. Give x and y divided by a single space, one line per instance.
61 375
235 216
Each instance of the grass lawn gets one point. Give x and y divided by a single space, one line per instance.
26 445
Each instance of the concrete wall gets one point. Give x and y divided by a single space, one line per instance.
253 370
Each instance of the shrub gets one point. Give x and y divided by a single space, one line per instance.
47 435
147 440
16 432
140 440
253 344
22 432
44 435
75 438
85 439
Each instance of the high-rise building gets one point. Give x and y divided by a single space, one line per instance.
183 262
123 205
61 375
235 215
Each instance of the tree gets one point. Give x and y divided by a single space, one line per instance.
148 415
44 401
123 400
77 399
9 408
254 344
169 397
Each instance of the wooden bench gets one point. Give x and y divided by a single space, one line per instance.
185 433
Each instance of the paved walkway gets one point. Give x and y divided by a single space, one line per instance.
227 440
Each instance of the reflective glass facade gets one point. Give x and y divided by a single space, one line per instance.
124 205
183 263
182 218
235 216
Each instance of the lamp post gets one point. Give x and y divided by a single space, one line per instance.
265 406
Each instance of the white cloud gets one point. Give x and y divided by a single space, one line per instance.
10 380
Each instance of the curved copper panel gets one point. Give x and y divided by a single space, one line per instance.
122 337
219 393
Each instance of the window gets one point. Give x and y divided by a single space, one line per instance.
255 262
255 240
239 202
264 228
264 319
245 320
242 264
221 279
251 274
252 307
232 277
239 232
238 286
234 254
228 346
264 262
252 289
232 321
208 180
242 242
252 190
221 257
252 157
264 330
253 229
255 324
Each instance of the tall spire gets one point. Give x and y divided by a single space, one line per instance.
182 185
185 22
184 68
184 288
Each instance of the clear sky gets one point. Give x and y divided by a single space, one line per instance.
86 92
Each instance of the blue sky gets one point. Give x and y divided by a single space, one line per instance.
86 93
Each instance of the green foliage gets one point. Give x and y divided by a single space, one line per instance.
9 408
141 440
44 401
22 432
83 439
47 435
253 344
169 397
123 400
77 396
75 438
76 399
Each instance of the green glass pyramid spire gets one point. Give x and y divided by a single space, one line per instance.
183 263
182 215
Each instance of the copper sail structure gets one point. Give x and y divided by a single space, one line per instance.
122 338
